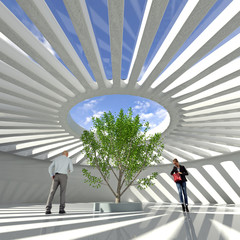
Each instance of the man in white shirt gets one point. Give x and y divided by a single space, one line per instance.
58 170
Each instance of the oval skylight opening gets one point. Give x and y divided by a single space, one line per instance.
150 111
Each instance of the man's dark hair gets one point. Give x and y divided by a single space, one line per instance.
175 160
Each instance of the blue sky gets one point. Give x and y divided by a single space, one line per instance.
148 110
133 14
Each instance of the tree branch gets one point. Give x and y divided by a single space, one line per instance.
113 172
112 168
132 181
98 167
106 181
110 164
123 182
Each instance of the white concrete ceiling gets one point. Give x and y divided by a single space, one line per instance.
200 89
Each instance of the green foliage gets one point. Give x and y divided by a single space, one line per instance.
143 183
120 144
91 180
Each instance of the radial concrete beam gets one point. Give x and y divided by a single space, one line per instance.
202 143
37 91
31 131
38 119
217 108
22 103
178 152
210 131
23 111
201 189
25 142
221 140
35 151
203 74
116 16
181 30
152 18
211 98
228 115
13 29
13 89
213 183
210 44
45 21
167 155
54 152
227 176
78 12
188 148
37 77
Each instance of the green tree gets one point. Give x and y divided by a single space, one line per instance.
119 145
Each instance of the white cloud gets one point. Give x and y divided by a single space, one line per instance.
161 113
157 116
162 126
152 125
89 104
96 114
154 114
88 120
146 115
87 110
141 106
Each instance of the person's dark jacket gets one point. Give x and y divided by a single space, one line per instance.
182 170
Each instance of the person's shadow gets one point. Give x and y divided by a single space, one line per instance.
190 231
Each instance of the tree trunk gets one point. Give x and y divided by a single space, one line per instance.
118 196
117 199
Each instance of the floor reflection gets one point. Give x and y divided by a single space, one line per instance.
190 231
156 221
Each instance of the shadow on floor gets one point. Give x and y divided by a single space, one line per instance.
156 221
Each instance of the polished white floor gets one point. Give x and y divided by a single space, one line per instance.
157 221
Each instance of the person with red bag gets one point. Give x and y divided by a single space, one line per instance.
179 172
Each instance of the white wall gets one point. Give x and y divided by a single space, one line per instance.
26 180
